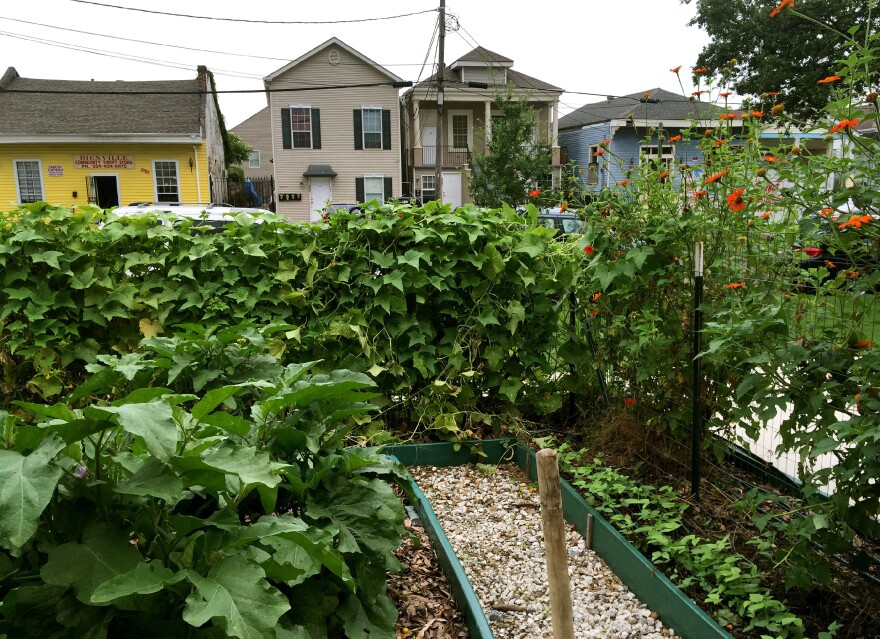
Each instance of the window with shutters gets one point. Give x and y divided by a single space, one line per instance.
372 127
374 188
301 127
165 180
28 180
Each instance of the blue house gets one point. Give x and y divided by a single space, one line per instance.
636 128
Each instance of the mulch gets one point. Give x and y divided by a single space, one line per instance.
426 608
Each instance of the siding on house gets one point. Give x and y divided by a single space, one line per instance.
578 142
256 132
136 184
336 108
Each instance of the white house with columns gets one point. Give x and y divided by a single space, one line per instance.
470 86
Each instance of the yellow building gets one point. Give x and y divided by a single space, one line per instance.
109 143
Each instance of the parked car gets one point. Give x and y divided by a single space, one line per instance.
215 216
564 222
336 207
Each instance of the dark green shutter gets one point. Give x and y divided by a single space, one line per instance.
358 133
286 141
388 193
316 128
359 189
386 129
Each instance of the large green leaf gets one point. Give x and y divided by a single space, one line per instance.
236 595
145 579
105 553
26 486
253 467
153 421
153 479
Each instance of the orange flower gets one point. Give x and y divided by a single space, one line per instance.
735 200
735 285
771 93
782 5
719 142
696 94
595 297
676 69
826 212
830 264
588 249
725 94
535 193
855 221
604 142
851 274
864 344
699 194
716 177
701 69
771 158
593 313
765 216
563 206
665 174
708 132
623 183
728 116
843 124
630 401
758 114
675 138
830 78
778 108
599 152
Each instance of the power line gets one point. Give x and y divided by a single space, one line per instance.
122 56
251 21
177 46
287 90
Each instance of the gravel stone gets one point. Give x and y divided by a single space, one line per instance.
493 521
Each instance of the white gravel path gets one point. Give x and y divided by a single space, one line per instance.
493 522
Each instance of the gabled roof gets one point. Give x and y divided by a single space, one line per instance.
332 42
98 108
481 56
452 78
660 105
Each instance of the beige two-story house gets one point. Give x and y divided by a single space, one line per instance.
334 116
470 85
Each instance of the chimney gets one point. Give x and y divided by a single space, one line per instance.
202 78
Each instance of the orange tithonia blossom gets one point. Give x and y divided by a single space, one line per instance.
623 183
735 200
725 94
699 194
782 5
716 177
676 69
842 125
778 108
830 78
735 285
758 114
599 152
675 138
855 221
771 158
701 69
728 116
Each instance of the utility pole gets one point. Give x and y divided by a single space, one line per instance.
441 65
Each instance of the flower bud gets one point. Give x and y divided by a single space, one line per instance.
80 472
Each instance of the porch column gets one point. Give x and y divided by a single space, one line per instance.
418 124
554 131
488 104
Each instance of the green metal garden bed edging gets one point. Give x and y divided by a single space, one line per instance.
653 588
462 591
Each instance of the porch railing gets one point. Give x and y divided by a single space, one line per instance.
448 155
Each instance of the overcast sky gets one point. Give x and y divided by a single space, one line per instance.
585 46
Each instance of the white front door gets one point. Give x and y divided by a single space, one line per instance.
320 193
429 146
452 189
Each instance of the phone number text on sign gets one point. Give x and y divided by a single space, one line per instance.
93 161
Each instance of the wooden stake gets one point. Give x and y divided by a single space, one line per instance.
554 543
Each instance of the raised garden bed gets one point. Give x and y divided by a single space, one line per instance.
638 576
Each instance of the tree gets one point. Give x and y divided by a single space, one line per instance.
237 151
514 161
755 53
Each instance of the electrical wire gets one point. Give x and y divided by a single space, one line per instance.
182 92
252 21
